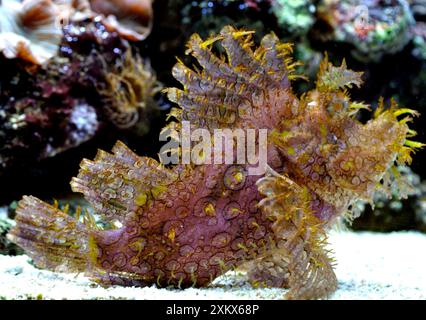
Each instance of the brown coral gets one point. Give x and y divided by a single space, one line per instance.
129 90
29 30
32 30
186 225
131 19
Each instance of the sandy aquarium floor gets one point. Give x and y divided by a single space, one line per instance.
370 266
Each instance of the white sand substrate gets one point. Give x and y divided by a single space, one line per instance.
369 266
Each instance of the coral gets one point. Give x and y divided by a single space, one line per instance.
96 79
32 30
208 17
187 224
5 226
418 7
419 32
374 28
29 30
38 130
7 247
82 60
176 21
132 19
392 213
129 91
295 16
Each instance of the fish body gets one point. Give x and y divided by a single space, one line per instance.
187 224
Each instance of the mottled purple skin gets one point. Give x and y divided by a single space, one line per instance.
205 223
207 233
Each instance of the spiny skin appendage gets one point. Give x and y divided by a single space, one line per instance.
186 225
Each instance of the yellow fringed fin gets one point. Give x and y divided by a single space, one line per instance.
117 184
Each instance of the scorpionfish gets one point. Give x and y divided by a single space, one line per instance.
184 225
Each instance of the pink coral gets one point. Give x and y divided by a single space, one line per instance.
186 225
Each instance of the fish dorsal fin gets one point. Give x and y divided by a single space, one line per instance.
238 89
118 183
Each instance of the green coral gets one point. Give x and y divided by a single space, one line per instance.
294 16
373 28
386 38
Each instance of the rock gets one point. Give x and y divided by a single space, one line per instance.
6 247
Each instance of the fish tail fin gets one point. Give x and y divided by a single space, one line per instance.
52 238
